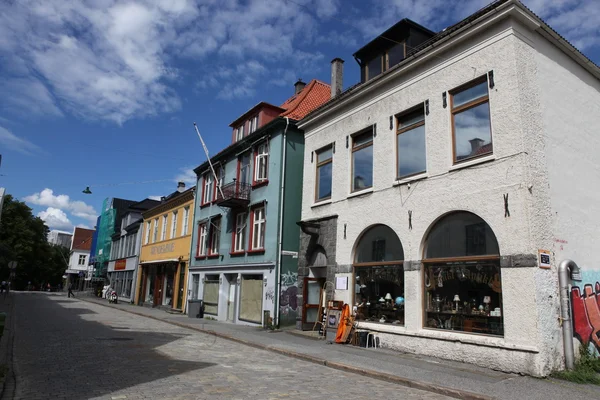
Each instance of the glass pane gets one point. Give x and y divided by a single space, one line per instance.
473 136
324 181
313 292
464 297
362 165
374 67
379 294
324 155
461 234
379 243
412 157
311 315
410 119
362 139
470 94
396 54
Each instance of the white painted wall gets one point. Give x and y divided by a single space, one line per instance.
74 260
524 117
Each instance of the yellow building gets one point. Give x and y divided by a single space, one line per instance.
165 252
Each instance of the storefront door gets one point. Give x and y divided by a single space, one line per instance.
231 300
312 296
158 290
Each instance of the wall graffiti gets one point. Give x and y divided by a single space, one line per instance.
288 300
586 314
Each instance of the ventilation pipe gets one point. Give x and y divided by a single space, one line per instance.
567 270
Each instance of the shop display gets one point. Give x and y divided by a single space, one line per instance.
464 297
380 294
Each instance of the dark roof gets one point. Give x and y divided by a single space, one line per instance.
121 206
144 205
401 28
254 109
82 239
415 52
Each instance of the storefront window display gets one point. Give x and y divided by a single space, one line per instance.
463 291
211 294
379 277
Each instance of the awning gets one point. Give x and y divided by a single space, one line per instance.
160 261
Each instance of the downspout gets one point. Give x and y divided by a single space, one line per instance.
567 270
280 239
192 227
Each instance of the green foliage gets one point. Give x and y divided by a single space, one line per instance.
587 368
23 238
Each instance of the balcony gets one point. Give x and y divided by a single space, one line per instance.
235 195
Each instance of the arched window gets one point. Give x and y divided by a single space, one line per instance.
379 276
462 283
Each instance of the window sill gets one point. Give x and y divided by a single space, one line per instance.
475 161
256 185
200 257
216 255
361 192
237 253
256 251
410 179
321 203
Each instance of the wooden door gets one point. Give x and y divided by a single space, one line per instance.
158 290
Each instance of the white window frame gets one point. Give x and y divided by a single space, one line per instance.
155 232
163 232
186 223
202 240
240 232
208 189
148 230
261 163
215 235
258 228
174 225
81 257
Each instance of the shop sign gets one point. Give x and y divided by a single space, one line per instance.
544 259
163 248
120 264
294 254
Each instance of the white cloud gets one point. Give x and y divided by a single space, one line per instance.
77 208
55 218
13 142
186 175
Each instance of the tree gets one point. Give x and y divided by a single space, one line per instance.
23 238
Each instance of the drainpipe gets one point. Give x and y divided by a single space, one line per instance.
280 239
567 270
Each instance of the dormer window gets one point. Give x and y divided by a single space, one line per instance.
239 133
385 61
374 67
253 124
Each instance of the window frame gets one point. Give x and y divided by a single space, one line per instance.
207 181
219 182
400 131
155 232
263 223
239 235
258 156
81 257
358 148
148 231
201 241
163 232
317 176
174 216
467 106
186 222
214 237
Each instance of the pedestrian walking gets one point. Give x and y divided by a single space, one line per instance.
70 290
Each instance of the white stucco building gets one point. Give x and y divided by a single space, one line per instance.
80 246
433 185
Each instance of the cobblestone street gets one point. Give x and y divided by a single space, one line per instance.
69 349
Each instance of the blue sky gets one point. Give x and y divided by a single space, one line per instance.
104 93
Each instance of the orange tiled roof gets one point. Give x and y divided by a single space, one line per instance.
82 239
312 96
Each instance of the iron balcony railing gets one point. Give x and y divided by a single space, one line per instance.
234 194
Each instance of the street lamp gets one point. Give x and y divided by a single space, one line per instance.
87 190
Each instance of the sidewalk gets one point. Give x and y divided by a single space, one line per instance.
450 378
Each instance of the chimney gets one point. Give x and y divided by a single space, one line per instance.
337 76
298 86
180 186
476 144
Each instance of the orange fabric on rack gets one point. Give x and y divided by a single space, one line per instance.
343 325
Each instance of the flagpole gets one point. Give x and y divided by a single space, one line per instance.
209 162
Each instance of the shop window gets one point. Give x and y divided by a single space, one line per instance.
463 290
410 142
211 294
471 127
362 161
324 170
251 295
379 277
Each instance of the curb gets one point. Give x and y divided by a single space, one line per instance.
429 387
